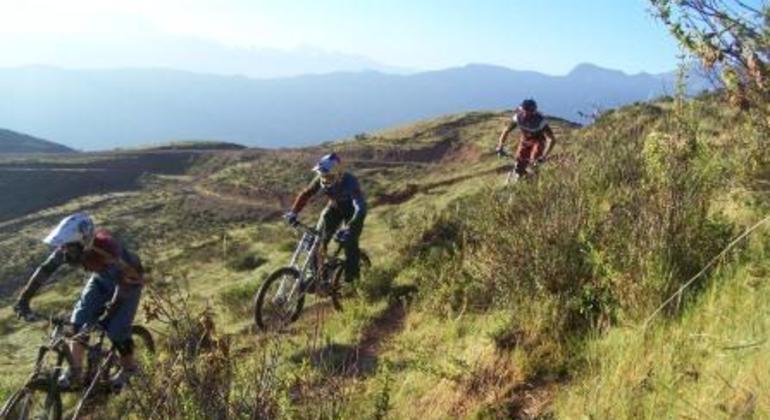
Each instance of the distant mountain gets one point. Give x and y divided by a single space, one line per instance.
13 142
103 109
155 49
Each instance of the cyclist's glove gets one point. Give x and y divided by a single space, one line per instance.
342 235
291 218
24 312
500 151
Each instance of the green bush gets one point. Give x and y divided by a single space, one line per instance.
608 234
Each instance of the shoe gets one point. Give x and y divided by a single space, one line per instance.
70 378
122 378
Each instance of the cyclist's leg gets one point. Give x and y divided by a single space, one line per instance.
537 151
86 312
95 295
118 325
522 157
353 251
329 222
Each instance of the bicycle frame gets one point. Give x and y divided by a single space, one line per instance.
94 350
308 245
531 170
302 258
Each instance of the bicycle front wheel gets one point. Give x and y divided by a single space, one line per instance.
279 300
31 403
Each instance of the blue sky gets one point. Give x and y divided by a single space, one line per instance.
550 36
547 35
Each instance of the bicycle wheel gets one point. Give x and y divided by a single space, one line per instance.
143 341
271 309
144 351
33 403
341 289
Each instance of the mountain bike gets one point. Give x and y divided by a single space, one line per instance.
531 169
281 297
41 395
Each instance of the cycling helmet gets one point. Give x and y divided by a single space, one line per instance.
329 169
529 105
75 229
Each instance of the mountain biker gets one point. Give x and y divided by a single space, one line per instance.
537 138
346 204
114 289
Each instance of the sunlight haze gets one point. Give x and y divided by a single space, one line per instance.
317 37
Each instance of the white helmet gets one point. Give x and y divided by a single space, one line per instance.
328 168
78 228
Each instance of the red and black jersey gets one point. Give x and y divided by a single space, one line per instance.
533 126
106 252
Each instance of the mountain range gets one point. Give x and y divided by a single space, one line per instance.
13 142
106 109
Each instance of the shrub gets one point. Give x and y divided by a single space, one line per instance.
608 234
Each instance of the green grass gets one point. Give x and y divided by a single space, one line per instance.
534 283
710 363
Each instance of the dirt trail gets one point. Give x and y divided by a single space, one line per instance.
361 359
376 335
400 197
532 399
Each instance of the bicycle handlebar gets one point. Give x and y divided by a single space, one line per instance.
305 228
310 230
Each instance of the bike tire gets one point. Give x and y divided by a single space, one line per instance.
286 315
19 406
143 334
338 283
143 341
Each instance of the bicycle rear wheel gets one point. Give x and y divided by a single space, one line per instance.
342 290
144 351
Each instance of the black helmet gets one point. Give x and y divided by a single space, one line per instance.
529 105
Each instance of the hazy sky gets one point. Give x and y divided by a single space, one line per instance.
550 36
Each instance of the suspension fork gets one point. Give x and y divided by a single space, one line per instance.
292 289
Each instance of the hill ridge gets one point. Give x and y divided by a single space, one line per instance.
15 142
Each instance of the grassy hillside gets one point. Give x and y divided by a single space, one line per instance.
13 142
484 301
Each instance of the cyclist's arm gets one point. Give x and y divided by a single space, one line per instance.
305 195
508 128
359 203
550 139
41 275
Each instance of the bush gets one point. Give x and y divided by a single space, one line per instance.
196 376
607 235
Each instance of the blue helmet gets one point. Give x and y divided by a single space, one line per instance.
529 105
329 168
